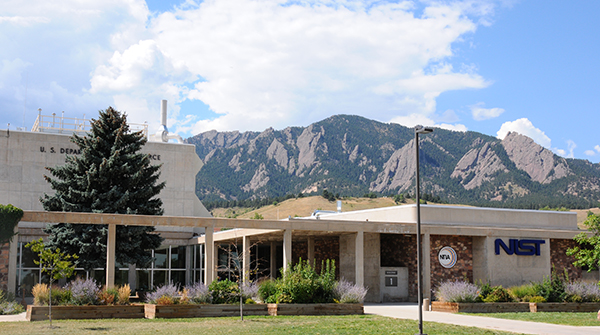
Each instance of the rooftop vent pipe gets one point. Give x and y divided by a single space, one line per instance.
162 135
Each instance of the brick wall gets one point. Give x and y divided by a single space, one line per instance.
400 251
462 270
4 249
560 260
326 248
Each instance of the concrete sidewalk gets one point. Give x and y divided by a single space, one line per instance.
11 318
410 311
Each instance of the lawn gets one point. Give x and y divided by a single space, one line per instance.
559 318
361 324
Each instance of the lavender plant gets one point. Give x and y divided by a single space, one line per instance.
582 292
457 291
84 292
349 293
164 294
10 307
197 294
249 291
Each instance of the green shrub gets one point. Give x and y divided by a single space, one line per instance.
224 292
61 295
498 294
552 289
301 284
484 291
523 292
267 291
537 299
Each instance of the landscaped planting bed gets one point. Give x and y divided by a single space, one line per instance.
554 294
509 307
315 309
39 313
300 291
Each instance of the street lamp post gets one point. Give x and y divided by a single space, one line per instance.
419 130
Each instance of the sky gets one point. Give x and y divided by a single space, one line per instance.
491 66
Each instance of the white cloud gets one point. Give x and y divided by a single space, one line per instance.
524 127
597 148
253 63
418 119
560 152
590 153
571 145
480 113
262 63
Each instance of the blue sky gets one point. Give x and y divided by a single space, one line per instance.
487 66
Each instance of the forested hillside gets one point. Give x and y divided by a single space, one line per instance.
352 156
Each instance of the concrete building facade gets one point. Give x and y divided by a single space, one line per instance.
24 157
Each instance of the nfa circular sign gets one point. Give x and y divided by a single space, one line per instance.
447 257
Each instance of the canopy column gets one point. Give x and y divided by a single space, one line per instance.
110 255
246 259
287 249
359 255
209 260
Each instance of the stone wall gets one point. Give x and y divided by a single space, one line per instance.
4 250
400 251
462 270
560 260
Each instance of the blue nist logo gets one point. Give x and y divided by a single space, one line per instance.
519 247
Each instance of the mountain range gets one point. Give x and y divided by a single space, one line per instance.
351 156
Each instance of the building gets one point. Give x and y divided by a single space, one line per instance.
376 248
23 159
501 246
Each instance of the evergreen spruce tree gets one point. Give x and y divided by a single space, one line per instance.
109 175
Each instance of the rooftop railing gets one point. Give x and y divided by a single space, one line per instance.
67 125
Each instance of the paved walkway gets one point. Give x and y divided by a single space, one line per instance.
16 317
410 311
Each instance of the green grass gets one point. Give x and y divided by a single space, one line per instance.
559 318
362 324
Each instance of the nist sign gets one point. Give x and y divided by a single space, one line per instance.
519 247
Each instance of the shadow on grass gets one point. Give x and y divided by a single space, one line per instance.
98 328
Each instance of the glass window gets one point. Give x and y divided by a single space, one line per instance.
99 275
28 279
28 257
160 261
121 277
160 278
178 257
198 252
178 277
142 282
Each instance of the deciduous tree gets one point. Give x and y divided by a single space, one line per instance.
588 251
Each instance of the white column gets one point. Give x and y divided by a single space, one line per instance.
110 255
311 250
209 259
287 248
12 262
246 260
426 252
273 260
359 255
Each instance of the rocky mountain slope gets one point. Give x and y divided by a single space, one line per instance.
351 155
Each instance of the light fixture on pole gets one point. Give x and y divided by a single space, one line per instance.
419 130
